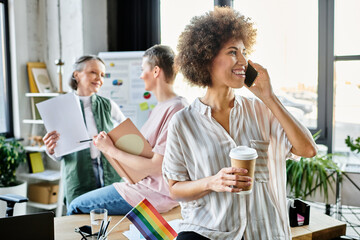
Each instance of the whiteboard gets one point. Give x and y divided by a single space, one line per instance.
122 84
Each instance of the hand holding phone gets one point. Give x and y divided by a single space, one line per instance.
250 75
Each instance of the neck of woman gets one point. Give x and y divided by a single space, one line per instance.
84 93
219 99
164 91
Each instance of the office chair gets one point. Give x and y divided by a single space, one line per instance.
11 199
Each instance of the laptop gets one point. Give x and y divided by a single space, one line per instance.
31 226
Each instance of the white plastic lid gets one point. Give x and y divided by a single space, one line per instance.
243 153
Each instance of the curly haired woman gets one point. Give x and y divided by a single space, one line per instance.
212 54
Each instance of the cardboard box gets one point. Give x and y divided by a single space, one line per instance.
45 193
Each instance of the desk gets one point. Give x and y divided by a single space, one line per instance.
65 226
321 227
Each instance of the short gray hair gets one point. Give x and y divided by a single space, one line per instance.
79 65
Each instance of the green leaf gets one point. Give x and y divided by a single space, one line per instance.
306 175
12 154
354 145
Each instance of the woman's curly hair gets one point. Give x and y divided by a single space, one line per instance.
203 38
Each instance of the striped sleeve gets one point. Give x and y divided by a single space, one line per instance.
279 151
279 136
174 166
271 128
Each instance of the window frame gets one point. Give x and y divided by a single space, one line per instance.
7 75
327 60
326 73
338 58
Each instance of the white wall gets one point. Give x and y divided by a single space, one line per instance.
34 36
95 26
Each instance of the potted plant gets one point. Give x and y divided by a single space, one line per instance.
306 175
12 154
354 145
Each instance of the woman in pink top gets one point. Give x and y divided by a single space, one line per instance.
158 73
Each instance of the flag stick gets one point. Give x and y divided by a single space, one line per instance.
115 225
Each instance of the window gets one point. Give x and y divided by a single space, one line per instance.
346 78
174 18
311 51
287 45
288 49
5 88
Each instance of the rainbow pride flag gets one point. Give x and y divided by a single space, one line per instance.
150 223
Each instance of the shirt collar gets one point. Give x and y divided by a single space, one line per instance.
206 110
201 107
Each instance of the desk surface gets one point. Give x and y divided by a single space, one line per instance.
321 227
65 226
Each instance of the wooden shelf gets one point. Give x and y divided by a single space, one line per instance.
47 175
35 148
42 205
42 94
32 121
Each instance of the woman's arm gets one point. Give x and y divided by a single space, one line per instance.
223 181
299 136
151 166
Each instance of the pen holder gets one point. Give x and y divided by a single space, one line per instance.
299 213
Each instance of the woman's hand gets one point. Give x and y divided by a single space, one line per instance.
103 142
50 140
224 181
262 86
227 181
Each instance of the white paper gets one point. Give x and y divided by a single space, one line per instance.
63 114
134 234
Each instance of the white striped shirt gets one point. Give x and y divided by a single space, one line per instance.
198 147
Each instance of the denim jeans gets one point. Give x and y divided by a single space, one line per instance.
106 197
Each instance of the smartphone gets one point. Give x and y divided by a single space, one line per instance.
85 231
250 75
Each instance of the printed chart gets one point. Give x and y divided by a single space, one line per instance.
122 84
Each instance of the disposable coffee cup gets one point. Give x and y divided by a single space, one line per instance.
244 157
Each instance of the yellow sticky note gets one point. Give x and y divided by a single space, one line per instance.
152 106
112 64
144 106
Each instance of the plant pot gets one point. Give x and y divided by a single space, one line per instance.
20 208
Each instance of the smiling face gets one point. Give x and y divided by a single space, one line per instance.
147 74
90 78
229 66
